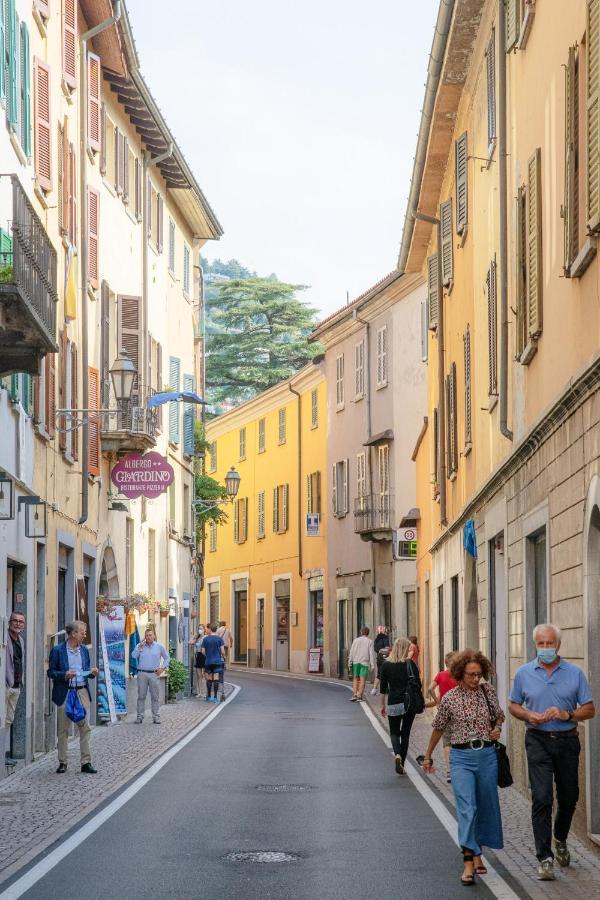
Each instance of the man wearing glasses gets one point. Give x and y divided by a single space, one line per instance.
15 668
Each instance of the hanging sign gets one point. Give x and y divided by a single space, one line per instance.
405 543
148 475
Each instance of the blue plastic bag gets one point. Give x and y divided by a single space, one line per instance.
74 708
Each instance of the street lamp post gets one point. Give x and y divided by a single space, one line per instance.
122 374
232 486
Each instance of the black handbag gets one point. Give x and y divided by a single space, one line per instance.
505 778
414 701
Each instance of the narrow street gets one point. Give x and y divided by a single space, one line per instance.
289 767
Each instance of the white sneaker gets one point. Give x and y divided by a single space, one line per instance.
373 691
545 870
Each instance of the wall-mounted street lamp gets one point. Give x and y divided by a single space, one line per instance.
232 486
7 497
36 518
122 374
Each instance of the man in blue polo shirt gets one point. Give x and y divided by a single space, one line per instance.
552 696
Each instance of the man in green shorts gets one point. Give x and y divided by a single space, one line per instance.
361 659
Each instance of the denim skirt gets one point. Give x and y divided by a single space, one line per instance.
475 786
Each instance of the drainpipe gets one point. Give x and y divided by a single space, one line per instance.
505 430
83 250
147 162
294 391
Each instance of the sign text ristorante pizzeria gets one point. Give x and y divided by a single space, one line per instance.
148 475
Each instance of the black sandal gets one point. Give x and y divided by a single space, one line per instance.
467 880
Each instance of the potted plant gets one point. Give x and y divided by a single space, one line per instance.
177 675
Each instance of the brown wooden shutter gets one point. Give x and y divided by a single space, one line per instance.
513 23
43 143
93 237
534 245
454 419
570 207
69 42
129 337
492 330
148 208
159 384
74 401
50 395
521 274
104 345
447 251
117 155
125 169
94 425
64 421
433 450
433 290
593 113
63 176
462 194
103 139
94 74
468 386
72 195
138 189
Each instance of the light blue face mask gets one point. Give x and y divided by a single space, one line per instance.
547 654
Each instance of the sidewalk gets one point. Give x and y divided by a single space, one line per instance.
580 881
37 806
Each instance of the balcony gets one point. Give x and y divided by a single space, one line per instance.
28 295
132 427
373 517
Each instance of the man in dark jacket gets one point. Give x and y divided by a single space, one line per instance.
69 666
382 648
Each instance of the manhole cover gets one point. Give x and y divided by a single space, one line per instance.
261 856
284 788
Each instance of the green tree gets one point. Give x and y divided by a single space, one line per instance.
260 337
206 488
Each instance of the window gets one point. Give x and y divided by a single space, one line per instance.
434 459
536 581
260 515
433 290
212 537
340 488
519 19
447 249
461 158
25 91
93 211
451 423
455 611
382 357
129 556
186 269
313 492
186 510
282 426
359 370
212 456
280 508
441 628
94 103
189 418
529 312
492 307
491 92
16 75
240 520
129 189
361 477
174 385
578 252
262 435
383 467
242 439
468 387
314 408
93 427
69 42
67 186
42 141
171 246
339 382
213 602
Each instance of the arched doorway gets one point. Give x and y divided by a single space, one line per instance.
591 605
109 578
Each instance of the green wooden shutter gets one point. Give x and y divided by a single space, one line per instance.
491 89
285 510
14 387
174 375
13 105
570 206
593 113
433 290
462 196
275 510
468 388
447 254
236 521
25 91
534 244
513 23
2 55
188 418
521 275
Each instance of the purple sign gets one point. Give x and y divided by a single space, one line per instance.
148 475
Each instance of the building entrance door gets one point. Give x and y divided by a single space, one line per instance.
240 600
345 635
592 606
282 625
498 617
260 632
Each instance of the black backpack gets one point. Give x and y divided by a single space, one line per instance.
414 701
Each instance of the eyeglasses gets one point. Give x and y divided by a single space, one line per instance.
474 674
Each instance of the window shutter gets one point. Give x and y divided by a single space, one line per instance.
138 189
245 518
148 208
105 345
103 139
63 175
462 194
309 498
72 195
447 250
125 169
74 401
159 384
275 510
534 245
236 521
25 92
43 152
593 113
94 102
159 223
570 207
188 418
50 395
11 40
314 409
468 382
63 422
491 89
454 419
36 398
285 499
94 426
69 42
93 237
174 374
433 290
513 23
117 159
433 448
3 42
171 245
424 333
260 518
448 427
317 491
492 331
129 339
521 274
345 485
334 498
384 365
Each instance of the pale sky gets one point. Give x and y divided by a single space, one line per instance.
299 120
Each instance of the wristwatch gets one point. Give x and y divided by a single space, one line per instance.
570 719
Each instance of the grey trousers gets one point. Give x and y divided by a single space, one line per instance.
148 680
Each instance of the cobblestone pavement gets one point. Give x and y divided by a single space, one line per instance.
33 810
580 880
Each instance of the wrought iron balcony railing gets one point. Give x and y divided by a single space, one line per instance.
373 512
132 426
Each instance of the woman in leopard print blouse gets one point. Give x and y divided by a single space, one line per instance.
472 713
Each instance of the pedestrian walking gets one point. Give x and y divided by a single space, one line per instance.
360 660
15 673
223 632
214 651
152 660
395 674
468 710
441 684
381 645
415 650
69 666
551 696
199 661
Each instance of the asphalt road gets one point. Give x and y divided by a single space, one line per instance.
289 767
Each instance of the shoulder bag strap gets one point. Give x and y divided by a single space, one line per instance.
487 701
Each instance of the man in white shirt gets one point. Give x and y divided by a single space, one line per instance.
361 659
152 660
224 632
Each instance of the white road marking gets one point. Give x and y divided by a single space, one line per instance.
493 880
37 872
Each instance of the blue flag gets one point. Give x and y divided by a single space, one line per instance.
470 538
134 640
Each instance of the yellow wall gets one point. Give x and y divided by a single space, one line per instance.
262 560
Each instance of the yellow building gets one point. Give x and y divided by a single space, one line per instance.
265 567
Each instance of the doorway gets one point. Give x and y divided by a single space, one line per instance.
16 601
498 616
240 604
282 620
592 606
345 635
260 632
317 626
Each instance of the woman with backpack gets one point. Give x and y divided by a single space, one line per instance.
400 683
